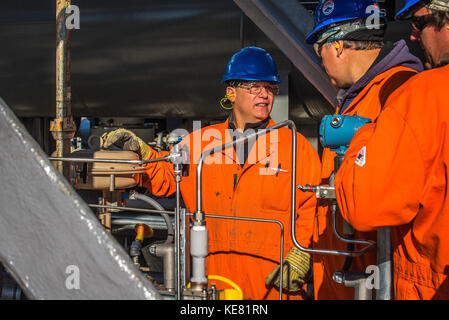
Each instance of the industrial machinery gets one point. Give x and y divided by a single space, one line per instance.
91 212
112 174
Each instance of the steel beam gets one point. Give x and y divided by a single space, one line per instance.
50 240
286 23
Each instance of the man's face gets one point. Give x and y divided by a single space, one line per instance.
253 100
427 37
335 63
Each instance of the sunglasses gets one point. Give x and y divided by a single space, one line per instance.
419 23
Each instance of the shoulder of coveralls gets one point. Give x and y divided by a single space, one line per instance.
219 126
421 87
216 130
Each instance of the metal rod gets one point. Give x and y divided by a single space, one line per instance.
124 215
130 209
166 158
63 127
384 262
156 205
177 171
355 241
112 182
292 127
130 221
225 146
198 214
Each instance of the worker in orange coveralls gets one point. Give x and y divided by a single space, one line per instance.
395 172
366 70
249 180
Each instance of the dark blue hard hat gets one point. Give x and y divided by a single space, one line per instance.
334 11
404 13
252 64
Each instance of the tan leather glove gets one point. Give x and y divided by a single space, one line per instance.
125 140
296 265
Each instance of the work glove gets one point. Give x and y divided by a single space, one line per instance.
295 267
125 140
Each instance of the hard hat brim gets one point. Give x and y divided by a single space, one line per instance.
404 13
313 36
268 79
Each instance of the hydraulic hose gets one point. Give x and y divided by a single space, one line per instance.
155 204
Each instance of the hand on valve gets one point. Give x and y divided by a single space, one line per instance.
125 140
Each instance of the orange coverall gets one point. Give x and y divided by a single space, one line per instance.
368 104
246 252
403 183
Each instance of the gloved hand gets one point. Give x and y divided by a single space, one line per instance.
125 140
295 267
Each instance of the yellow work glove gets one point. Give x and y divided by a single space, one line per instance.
125 140
295 267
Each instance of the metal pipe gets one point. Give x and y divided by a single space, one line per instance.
166 158
199 215
228 145
356 280
112 183
166 251
260 220
370 244
157 205
157 219
130 209
384 263
62 127
156 225
355 241
177 172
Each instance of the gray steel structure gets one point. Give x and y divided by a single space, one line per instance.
48 235
287 23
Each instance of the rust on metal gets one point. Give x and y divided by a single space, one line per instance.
62 127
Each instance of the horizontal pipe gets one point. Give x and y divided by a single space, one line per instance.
152 224
130 209
166 158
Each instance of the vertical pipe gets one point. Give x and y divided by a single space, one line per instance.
384 263
62 127
177 170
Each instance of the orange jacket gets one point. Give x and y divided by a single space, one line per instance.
367 104
403 183
246 252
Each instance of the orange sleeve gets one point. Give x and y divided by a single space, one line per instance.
382 176
308 172
159 176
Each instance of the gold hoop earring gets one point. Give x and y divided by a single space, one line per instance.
226 100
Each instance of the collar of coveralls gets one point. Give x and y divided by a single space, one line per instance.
255 126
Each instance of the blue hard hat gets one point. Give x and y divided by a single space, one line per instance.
404 13
253 64
333 11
